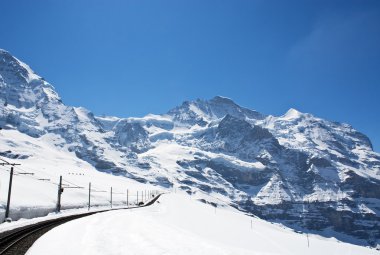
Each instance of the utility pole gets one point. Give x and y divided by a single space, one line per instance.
137 198
9 193
89 196
111 197
6 163
127 199
60 190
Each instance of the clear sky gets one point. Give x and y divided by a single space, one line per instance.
129 58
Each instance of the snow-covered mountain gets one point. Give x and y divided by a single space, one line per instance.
303 171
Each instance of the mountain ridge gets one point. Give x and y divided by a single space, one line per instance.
266 165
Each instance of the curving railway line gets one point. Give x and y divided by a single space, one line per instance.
18 241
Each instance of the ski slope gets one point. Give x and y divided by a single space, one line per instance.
180 224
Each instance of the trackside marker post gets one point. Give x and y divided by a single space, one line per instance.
89 196
111 197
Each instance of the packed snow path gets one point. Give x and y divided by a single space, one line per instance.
178 225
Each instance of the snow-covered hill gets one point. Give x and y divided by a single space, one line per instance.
300 170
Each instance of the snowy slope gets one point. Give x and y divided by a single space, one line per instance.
297 169
36 195
182 225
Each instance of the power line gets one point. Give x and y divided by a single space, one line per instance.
39 175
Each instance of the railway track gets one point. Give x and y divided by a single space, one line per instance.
18 241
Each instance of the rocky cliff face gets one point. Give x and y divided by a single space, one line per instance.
298 169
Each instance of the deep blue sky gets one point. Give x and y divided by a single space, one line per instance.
130 58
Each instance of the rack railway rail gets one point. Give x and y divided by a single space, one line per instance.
18 241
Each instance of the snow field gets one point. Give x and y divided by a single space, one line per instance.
181 225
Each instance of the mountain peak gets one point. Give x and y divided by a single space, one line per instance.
13 68
202 111
4 52
20 86
221 99
292 114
